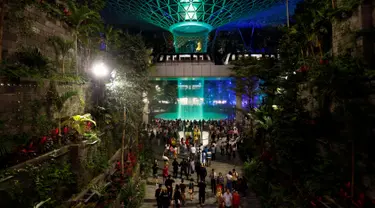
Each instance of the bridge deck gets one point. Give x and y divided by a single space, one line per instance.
190 69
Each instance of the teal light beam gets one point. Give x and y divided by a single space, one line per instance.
190 98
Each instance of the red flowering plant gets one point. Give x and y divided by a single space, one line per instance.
140 147
303 68
358 200
131 161
67 12
316 202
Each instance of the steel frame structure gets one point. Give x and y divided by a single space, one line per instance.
186 19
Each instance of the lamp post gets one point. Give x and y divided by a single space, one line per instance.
100 71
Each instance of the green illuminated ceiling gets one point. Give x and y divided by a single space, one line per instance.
190 21
166 13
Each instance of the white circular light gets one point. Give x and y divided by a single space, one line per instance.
100 70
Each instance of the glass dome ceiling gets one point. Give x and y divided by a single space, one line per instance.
192 20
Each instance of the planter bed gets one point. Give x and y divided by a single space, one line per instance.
19 161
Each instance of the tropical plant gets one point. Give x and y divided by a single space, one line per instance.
58 102
79 123
112 37
312 120
80 17
133 193
33 61
62 49
44 177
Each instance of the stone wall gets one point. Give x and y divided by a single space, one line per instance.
342 37
42 26
344 32
19 96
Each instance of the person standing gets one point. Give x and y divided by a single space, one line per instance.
175 168
202 192
177 197
198 169
158 138
183 192
192 166
193 151
229 150
234 149
165 198
204 158
236 199
209 157
158 196
165 173
155 168
234 179
213 178
184 167
229 181
222 147
213 150
169 184
227 196
220 179
203 173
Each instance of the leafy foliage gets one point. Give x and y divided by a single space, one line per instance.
62 49
133 193
316 116
27 62
50 179
79 122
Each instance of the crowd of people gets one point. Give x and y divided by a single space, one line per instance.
195 158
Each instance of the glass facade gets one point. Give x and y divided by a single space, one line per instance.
199 98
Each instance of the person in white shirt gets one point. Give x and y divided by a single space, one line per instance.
193 151
227 199
229 180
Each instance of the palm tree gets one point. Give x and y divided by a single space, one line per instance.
111 37
62 49
77 17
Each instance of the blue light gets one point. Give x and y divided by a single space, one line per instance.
263 18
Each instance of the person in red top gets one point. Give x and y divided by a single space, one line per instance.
236 200
165 173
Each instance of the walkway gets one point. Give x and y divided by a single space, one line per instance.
222 164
